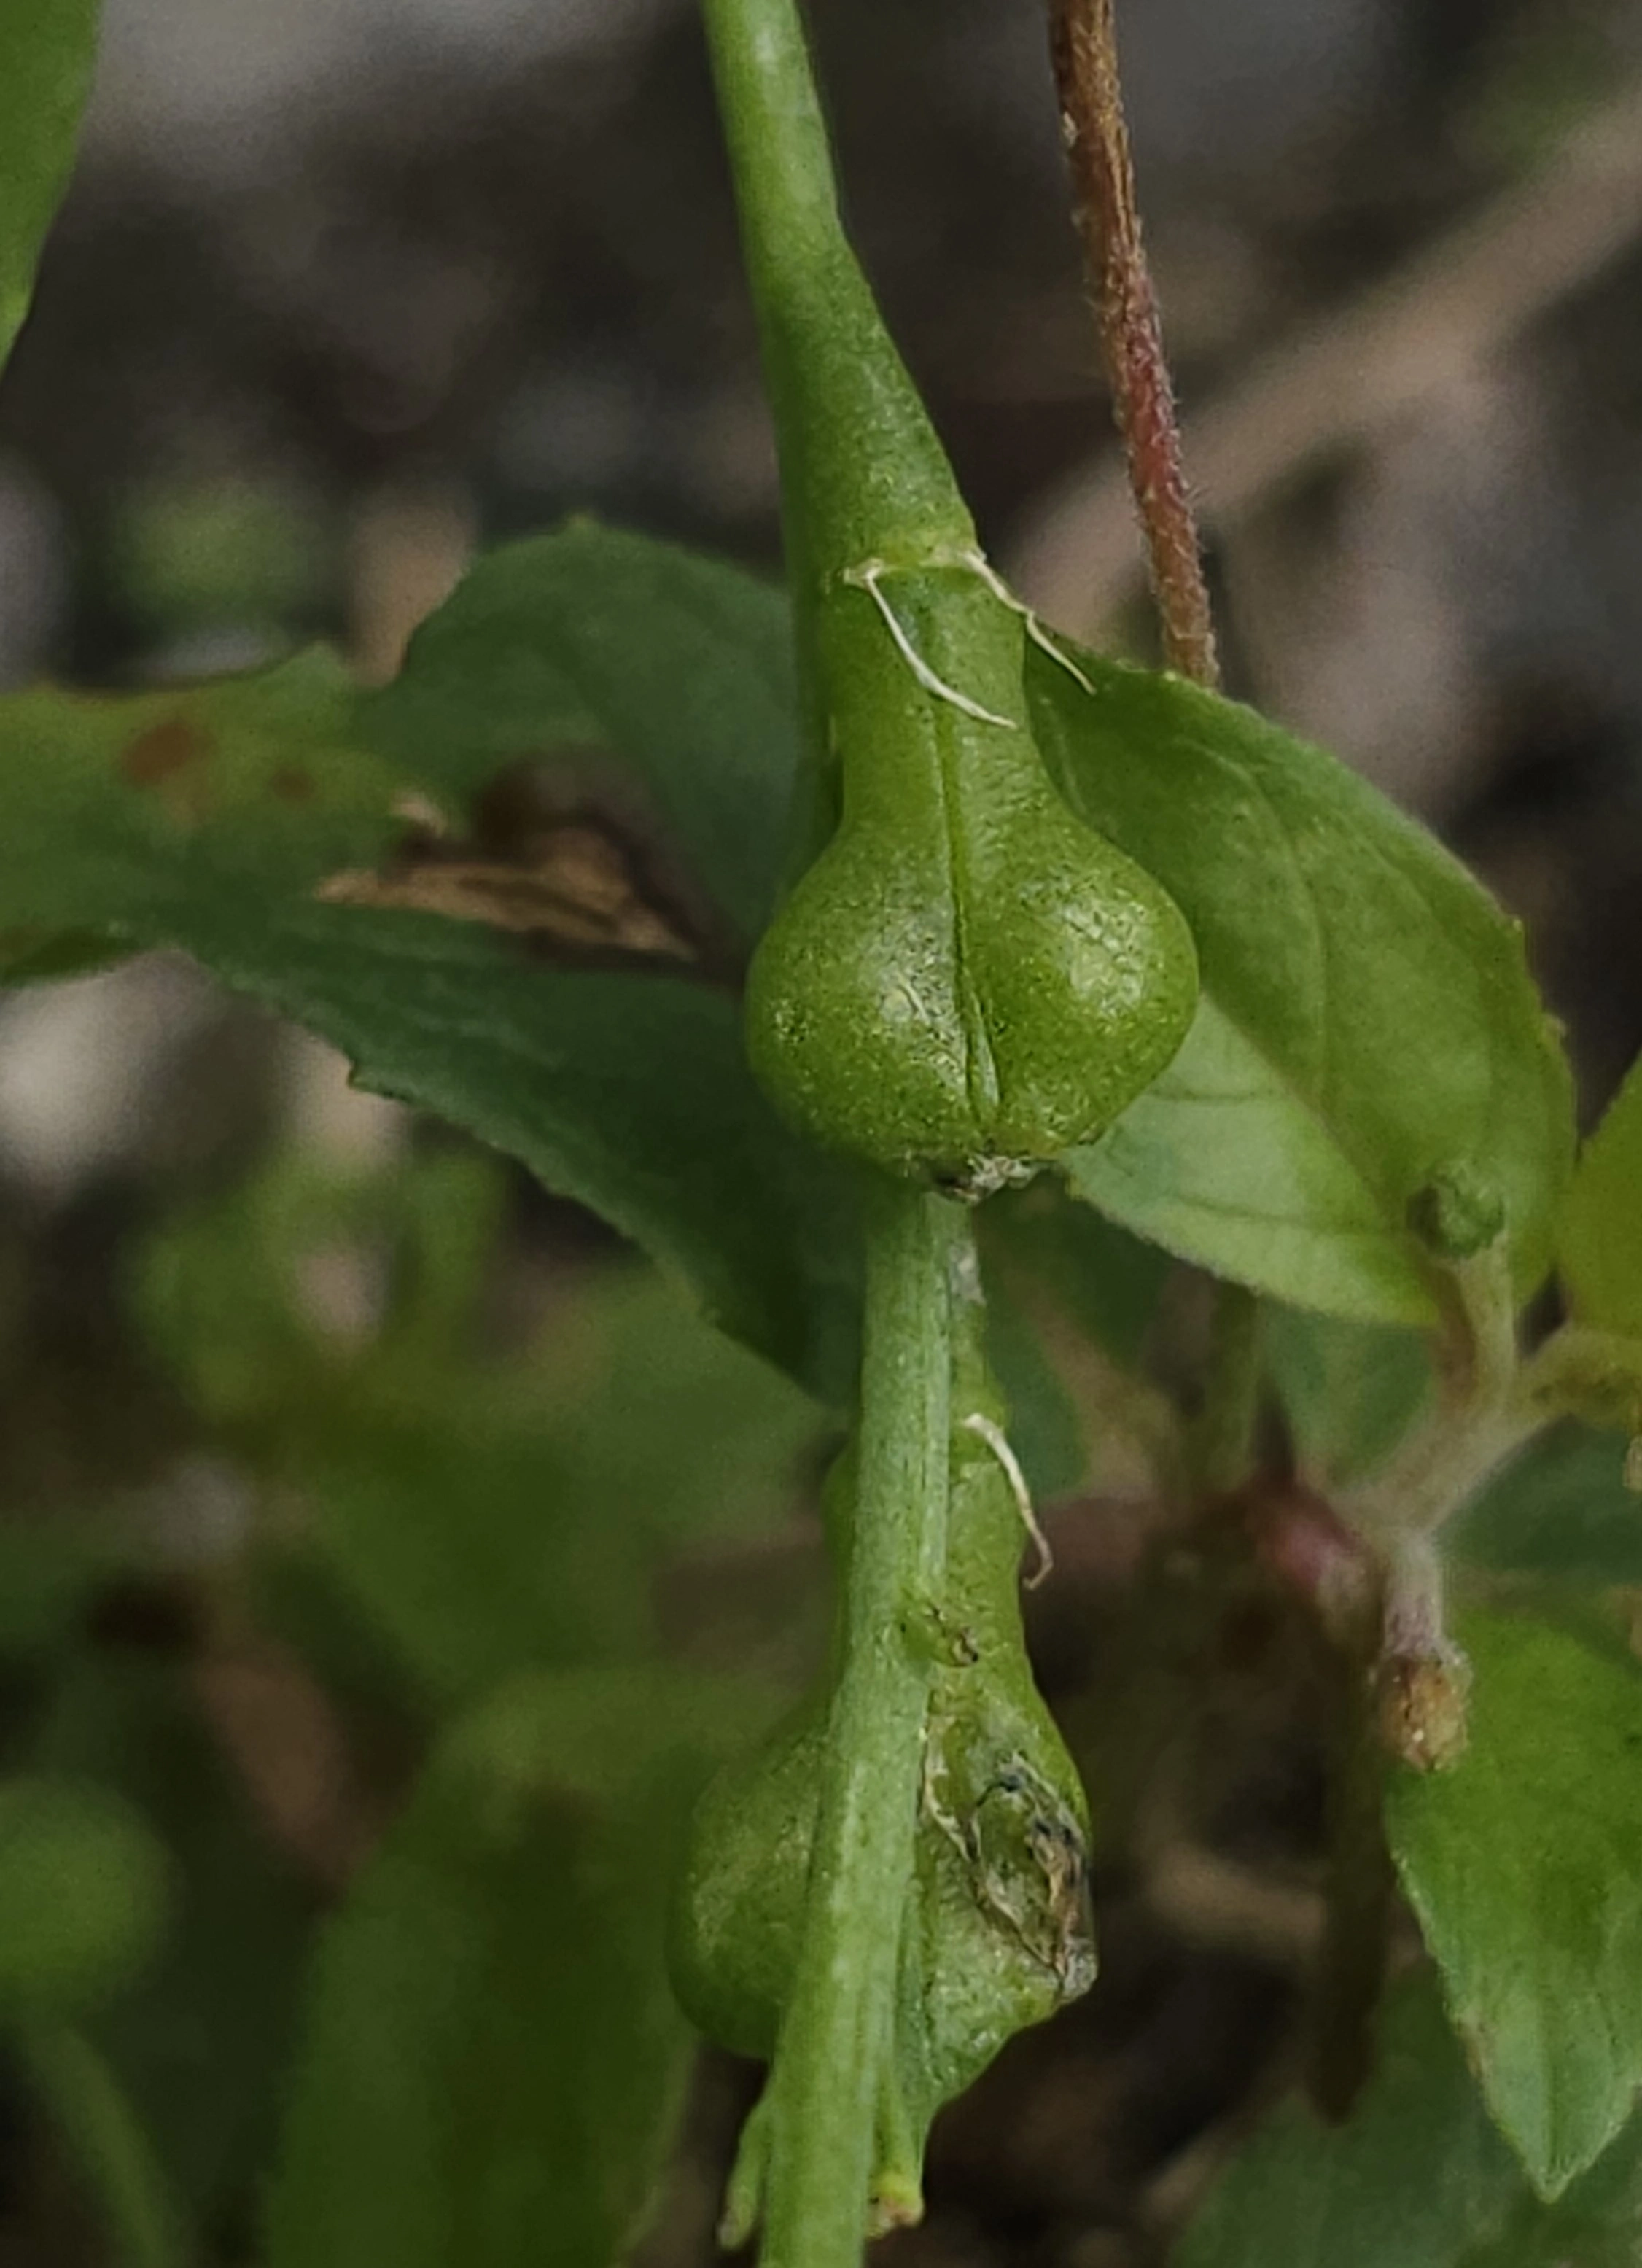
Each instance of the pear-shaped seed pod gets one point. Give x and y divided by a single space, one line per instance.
968 980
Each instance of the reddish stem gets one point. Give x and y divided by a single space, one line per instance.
1085 45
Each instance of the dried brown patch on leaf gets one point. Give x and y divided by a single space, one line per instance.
161 751
576 882
169 758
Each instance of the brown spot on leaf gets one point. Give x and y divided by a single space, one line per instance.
291 784
163 750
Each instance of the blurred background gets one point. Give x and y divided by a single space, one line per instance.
347 288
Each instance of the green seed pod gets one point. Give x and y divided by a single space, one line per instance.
1004 1935
998 1935
968 980
733 1935
1003 1931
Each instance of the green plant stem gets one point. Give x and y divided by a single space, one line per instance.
863 473
101 2133
1477 1425
831 2067
861 468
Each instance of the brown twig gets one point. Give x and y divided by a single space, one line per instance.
1362 366
1084 42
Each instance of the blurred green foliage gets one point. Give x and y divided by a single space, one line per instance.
204 554
411 1560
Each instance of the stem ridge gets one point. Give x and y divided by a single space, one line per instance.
829 2086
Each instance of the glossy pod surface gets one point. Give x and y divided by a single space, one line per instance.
968 980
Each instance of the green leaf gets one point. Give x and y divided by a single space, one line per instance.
476 1515
1372 1023
1350 1391
209 818
1215 1163
28 957
1561 1509
99 2129
1108 1282
1414 2179
1044 1427
679 665
494 2059
85 1891
221 1290
1600 1251
1524 1863
199 2041
124 814
525 1520
1595 2223
629 1094
47 51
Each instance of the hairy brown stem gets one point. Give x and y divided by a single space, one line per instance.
1355 370
1084 42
